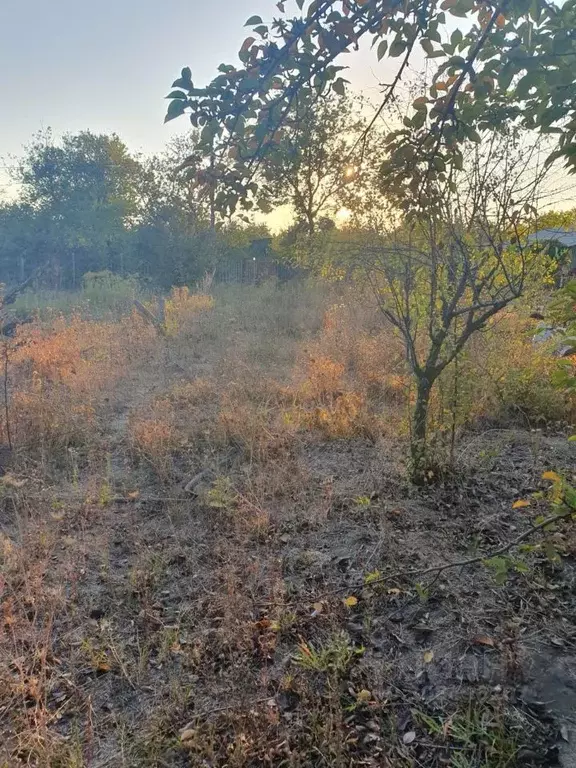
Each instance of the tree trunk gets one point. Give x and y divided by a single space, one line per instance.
310 223
419 429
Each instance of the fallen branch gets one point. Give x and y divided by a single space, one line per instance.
191 484
481 558
150 317
438 569
11 296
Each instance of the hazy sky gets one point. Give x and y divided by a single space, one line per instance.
107 64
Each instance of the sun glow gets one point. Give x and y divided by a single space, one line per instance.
343 215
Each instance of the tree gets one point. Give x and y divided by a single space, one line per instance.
179 174
515 61
312 163
439 278
85 192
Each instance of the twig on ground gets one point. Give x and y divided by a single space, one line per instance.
193 482
438 569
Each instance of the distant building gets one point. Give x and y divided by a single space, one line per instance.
561 245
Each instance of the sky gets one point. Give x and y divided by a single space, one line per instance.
107 64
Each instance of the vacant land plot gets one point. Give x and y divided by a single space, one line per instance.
211 555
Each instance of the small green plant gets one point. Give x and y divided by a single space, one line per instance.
285 622
475 735
422 592
501 566
372 577
335 655
105 495
222 495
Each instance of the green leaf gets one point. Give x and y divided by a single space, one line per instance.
181 83
398 47
209 131
550 551
264 205
439 164
500 578
456 37
427 46
473 134
300 3
339 86
175 109
382 48
462 8
505 77
176 95
371 577
525 84
419 118
253 20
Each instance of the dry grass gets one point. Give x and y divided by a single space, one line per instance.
148 626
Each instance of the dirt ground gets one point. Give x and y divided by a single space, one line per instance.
262 614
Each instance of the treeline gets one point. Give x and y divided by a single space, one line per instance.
87 204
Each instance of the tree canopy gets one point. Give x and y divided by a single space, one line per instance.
87 204
514 63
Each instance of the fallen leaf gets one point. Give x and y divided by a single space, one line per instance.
409 737
263 624
318 608
351 601
394 591
364 695
13 482
428 657
187 735
552 476
520 503
483 640
134 494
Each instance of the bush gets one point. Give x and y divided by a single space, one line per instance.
102 294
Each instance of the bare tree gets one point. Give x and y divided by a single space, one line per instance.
439 276
315 164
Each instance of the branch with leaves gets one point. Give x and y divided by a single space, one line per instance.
515 62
